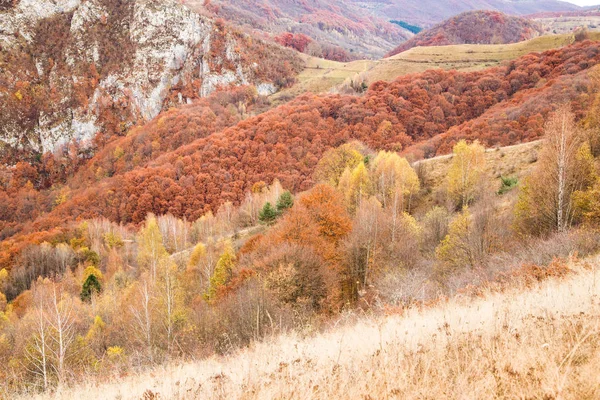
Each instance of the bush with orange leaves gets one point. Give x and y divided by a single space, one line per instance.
314 229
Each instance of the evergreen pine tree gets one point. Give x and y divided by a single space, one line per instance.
90 286
268 214
285 202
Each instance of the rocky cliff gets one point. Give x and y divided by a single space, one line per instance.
86 70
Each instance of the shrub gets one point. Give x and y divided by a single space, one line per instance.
507 184
268 214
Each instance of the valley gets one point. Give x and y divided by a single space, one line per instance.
339 29
246 199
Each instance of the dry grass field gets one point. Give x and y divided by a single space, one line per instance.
465 57
567 24
536 340
321 76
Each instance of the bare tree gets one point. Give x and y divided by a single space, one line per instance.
174 232
61 319
53 334
169 293
562 142
37 353
142 317
565 165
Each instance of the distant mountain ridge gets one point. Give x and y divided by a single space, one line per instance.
474 27
427 13
360 28
338 23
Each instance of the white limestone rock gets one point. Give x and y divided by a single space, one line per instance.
170 45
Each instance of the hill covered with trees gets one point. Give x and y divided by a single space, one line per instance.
475 27
100 298
421 116
503 105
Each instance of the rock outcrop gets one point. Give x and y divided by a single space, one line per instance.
85 70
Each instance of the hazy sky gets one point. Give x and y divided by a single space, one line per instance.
585 2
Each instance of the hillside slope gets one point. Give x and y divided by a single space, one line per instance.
322 76
535 340
71 71
476 27
294 136
331 24
421 114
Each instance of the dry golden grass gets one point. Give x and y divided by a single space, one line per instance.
321 76
535 342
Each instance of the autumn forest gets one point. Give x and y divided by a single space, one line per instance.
230 218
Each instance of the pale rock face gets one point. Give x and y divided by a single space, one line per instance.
212 81
27 13
87 14
166 37
49 133
10 134
266 89
171 45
